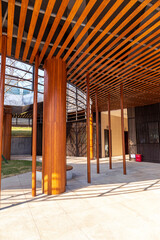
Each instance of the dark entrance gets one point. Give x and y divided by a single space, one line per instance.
126 141
106 142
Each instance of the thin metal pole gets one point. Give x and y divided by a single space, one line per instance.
97 131
2 83
122 128
34 136
110 139
88 132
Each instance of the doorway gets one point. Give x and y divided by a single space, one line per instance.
106 142
126 141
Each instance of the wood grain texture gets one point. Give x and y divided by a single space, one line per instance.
70 17
76 26
46 17
113 43
11 6
37 6
122 130
88 131
2 82
85 29
34 130
54 126
55 24
0 25
97 131
7 124
22 19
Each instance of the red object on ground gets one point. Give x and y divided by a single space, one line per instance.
138 158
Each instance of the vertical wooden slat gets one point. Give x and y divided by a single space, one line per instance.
7 125
0 25
2 82
122 129
34 136
11 6
110 139
91 136
88 132
43 143
97 131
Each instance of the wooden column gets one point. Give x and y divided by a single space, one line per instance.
2 82
122 129
91 136
34 133
54 138
97 131
88 132
7 125
110 139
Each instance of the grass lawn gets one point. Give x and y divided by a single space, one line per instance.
15 167
21 131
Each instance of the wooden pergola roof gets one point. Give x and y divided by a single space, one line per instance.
115 41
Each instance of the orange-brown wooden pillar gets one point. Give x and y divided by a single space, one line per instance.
110 139
54 146
122 129
88 132
7 125
2 82
34 133
97 131
91 136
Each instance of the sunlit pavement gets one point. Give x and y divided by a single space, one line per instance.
113 206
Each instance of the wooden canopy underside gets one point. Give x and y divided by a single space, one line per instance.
115 41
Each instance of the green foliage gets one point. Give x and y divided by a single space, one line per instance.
15 167
21 131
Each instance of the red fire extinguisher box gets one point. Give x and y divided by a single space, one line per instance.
138 157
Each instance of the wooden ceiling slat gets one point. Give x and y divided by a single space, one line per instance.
46 17
128 46
121 26
120 77
11 6
126 62
55 24
32 25
124 68
122 73
76 26
21 26
128 54
112 87
131 36
91 21
118 80
70 17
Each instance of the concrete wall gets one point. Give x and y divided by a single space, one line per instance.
21 145
116 133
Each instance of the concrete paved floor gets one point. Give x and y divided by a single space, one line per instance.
114 206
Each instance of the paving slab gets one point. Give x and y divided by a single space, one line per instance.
114 206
